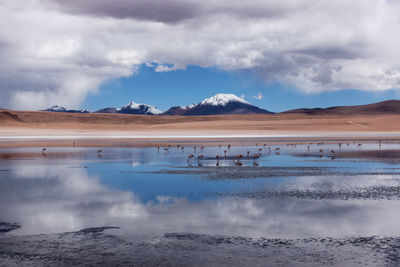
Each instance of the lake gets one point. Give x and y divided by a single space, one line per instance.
289 201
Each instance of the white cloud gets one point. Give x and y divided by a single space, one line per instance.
259 96
58 52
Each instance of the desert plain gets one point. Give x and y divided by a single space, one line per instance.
51 128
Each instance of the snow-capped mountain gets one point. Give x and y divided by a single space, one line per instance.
57 108
218 104
222 100
215 105
133 108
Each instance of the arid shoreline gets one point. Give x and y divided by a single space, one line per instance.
35 129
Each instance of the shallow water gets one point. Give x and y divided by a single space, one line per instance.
150 195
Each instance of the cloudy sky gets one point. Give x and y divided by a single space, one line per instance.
82 53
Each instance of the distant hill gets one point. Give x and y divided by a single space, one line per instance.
217 105
385 107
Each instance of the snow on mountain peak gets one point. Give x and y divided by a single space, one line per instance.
56 108
188 106
223 99
136 106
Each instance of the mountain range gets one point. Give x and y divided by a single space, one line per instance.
216 105
220 104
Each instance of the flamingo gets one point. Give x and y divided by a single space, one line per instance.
238 158
255 157
189 157
199 157
238 163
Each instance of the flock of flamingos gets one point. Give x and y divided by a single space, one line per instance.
237 159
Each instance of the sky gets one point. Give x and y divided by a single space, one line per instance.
276 54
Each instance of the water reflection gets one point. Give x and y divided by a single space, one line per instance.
57 196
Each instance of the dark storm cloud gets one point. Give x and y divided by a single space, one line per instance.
158 10
173 11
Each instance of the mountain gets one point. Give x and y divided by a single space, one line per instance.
178 110
217 105
62 109
107 110
133 108
385 107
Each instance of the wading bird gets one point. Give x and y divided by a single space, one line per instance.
44 150
238 163
255 157
189 157
238 158
198 158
